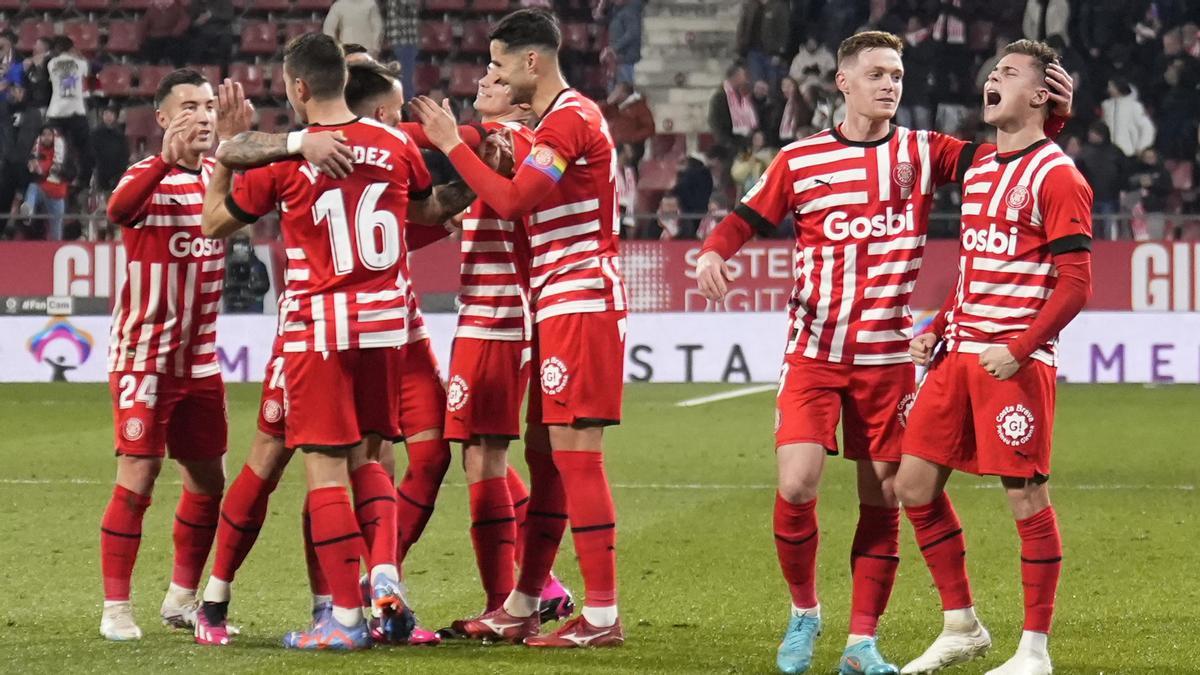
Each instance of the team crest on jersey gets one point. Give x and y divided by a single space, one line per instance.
1017 197
133 429
272 411
1015 425
554 376
904 408
905 174
457 394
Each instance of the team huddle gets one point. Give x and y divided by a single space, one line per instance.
352 372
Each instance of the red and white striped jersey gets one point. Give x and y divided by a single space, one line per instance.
573 231
861 213
165 318
347 273
494 293
1018 211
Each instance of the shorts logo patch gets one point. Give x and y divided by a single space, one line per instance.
272 411
1017 197
133 429
1015 425
457 394
554 376
904 408
905 174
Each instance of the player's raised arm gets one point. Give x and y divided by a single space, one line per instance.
216 220
509 198
442 204
127 205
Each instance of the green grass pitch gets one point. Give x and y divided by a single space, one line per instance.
700 588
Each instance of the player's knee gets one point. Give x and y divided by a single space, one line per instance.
799 487
205 478
138 474
268 457
912 491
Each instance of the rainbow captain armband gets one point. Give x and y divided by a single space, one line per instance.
547 161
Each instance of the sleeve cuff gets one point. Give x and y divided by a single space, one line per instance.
1069 243
761 225
238 212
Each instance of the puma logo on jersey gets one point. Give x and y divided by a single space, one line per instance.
990 240
838 225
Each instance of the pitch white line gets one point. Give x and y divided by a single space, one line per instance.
1085 487
726 395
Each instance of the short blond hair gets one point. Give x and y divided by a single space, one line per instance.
868 39
1041 52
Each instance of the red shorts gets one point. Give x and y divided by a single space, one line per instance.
157 414
488 379
272 406
580 360
969 421
422 396
336 398
870 401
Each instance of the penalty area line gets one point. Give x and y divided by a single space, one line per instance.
726 395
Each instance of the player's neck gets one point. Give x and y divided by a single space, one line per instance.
330 112
1018 136
548 89
191 161
863 129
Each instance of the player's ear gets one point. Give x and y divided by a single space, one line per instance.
842 85
162 118
1041 96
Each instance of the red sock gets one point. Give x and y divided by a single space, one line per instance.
874 558
493 532
545 522
520 499
242 514
338 542
427 465
375 508
796 538
939 534
593 522
195 526
120 535
1041 565
316 578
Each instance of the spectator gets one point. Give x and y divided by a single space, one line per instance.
1178 112
26 126
693 187
731 114
630 120
111 149
246 278
790 114
921 55
830 108
47 190
627 190
624 35
812 63
356 21
165 24
1102 164
718 208
402 33
212 31
68 107
12 72
1131 128
1044 18
668 218
760 98
37 73
752 163
1152 185
762 37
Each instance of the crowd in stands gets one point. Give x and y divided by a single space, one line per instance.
75 88
1136 66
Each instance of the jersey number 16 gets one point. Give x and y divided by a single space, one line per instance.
375 252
